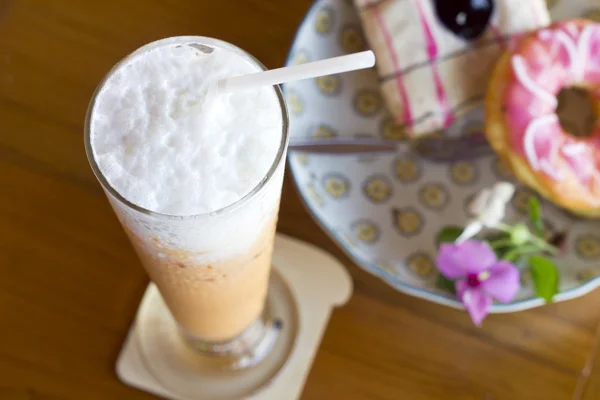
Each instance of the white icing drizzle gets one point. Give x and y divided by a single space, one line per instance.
583 47
544 34
571 47
573 50
571 28
518 64
573 149
529 145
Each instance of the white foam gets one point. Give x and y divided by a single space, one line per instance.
167 144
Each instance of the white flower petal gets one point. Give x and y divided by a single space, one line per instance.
493 214
471 230
503 191
489 207
480 202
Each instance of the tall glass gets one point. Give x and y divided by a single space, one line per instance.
212 269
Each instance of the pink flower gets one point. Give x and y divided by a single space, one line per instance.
480 276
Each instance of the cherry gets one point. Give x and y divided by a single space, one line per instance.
467 19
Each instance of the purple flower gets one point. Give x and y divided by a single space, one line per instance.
480 276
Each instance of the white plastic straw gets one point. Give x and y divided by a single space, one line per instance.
329 66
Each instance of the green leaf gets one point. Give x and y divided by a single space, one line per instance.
446 284
449 234
535 215
545 277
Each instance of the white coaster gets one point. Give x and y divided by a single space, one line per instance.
306 284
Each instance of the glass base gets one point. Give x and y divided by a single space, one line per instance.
193 369
245 350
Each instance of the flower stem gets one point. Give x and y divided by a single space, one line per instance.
503 227
496 244
544 245
519 251
533 239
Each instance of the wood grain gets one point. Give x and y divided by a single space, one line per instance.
70 282
589 387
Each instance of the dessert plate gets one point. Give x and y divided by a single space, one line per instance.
385 210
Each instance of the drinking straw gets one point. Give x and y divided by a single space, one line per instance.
329 66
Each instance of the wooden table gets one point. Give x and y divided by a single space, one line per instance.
70 282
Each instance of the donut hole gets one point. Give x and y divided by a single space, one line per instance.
575 111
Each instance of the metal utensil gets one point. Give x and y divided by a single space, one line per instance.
439 150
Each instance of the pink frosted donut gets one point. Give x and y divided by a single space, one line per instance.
521 120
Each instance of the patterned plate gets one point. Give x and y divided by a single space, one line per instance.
386 210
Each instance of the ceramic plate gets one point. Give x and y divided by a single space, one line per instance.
385 210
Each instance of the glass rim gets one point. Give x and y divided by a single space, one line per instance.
185 40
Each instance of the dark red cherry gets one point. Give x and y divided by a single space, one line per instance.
467 19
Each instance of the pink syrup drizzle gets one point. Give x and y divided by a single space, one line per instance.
543 140
432 53
389 43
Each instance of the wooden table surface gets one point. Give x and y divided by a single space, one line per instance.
70 282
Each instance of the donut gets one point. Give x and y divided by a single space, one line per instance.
521 121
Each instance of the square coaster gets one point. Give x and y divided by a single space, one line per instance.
317 283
